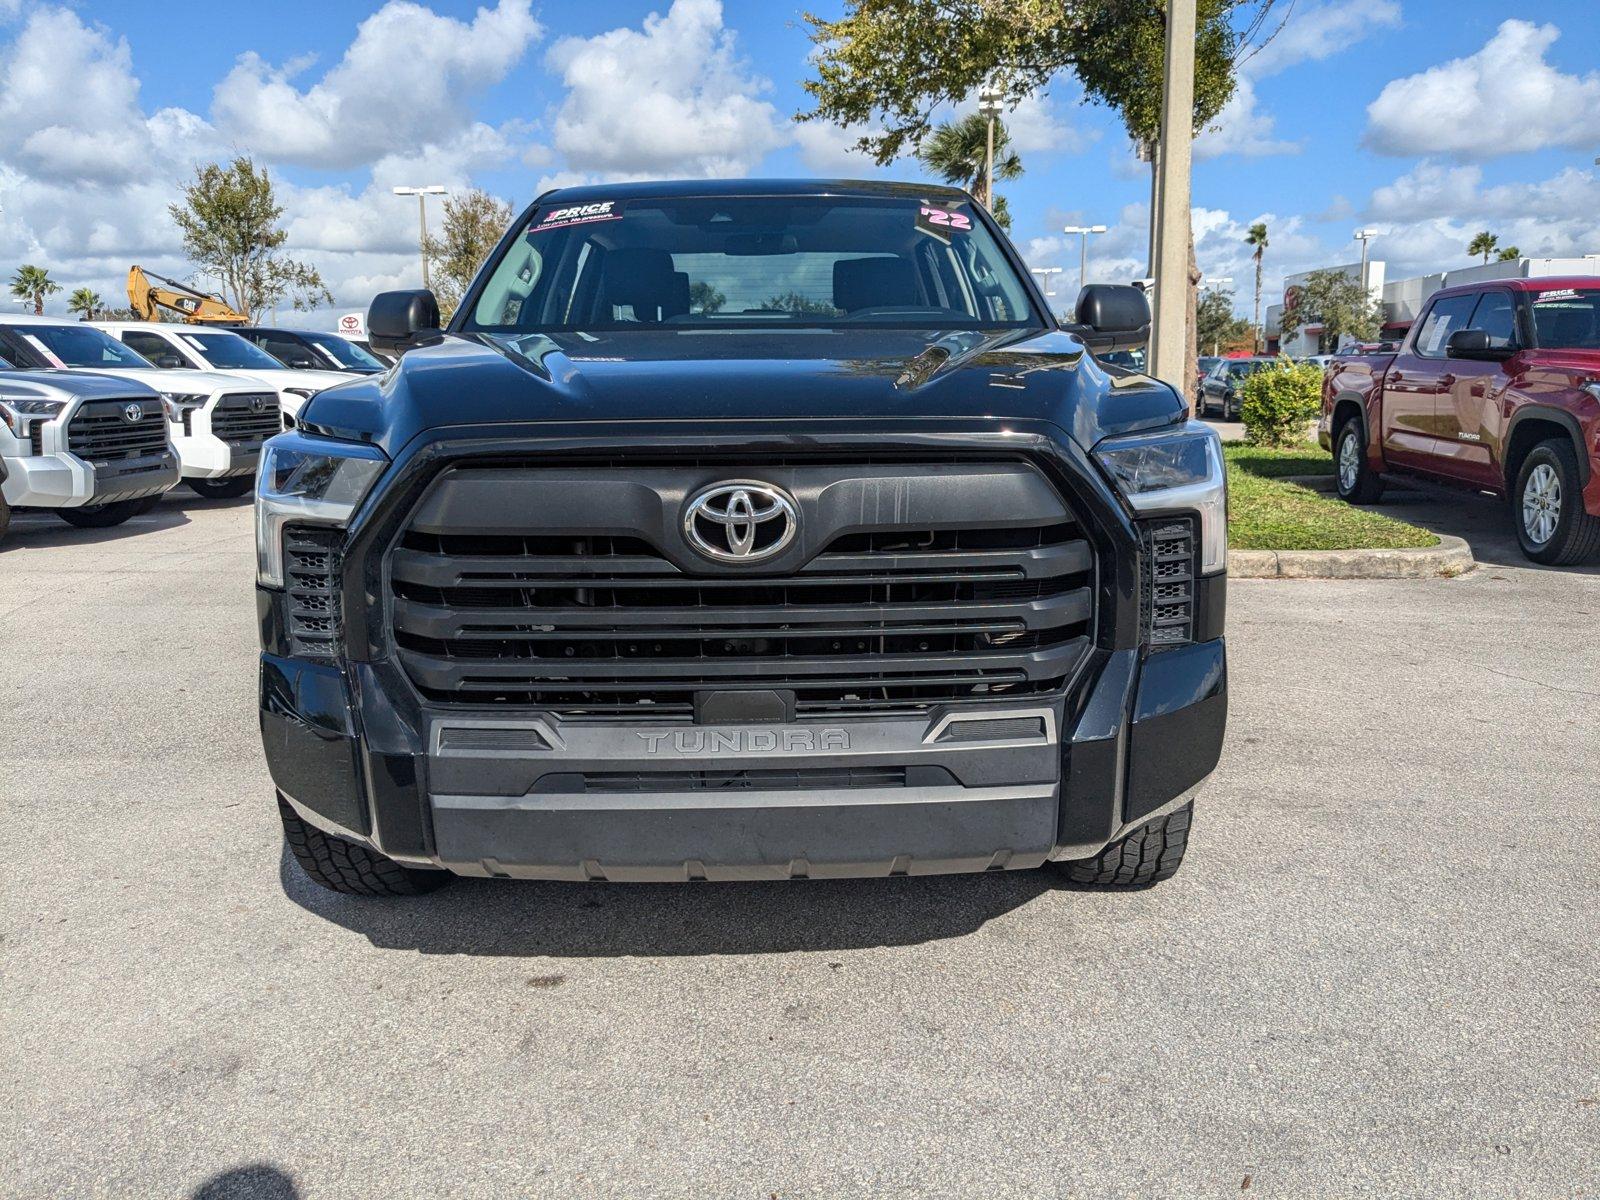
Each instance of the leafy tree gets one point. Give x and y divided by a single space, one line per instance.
893 63
1280 403
1217 329
1338 303
1508 254
33 284
229 222
957 150
1257 237
1483 243
86 303
473 223
798 302
705 297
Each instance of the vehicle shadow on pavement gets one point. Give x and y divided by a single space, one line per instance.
257 1181
1483 522
40 530
612 920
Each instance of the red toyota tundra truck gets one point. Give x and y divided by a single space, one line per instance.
1496 387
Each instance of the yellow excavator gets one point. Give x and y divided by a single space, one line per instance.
149 294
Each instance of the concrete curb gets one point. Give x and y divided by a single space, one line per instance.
1449 558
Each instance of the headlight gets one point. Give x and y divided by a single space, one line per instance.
1173 471
177 402
309 481
12 411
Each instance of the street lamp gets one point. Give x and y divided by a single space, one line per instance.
989 107
1083 249
1047 281
422 194
1364 236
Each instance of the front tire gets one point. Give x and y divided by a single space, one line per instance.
1353 476
5 517
223 489
1547 507
348 867
1143 859
100 516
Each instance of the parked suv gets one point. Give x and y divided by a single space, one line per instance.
91 448
1496 387
743 530
216 422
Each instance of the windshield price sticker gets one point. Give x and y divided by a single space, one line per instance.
1558 294
578 214
942 222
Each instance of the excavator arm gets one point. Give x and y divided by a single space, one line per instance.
149 294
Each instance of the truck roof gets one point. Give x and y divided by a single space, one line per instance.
674 188
1536 283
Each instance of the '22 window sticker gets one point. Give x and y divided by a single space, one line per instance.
942 223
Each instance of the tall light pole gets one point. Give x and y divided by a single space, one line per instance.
1083 249
989 108
422 194
1045 274
1170 343
1364 236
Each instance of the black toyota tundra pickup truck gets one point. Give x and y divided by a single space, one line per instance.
743 530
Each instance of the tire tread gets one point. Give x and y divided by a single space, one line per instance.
1143 858
343 866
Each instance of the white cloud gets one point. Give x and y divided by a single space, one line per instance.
1503 99
1309 34
830 150
671 98
407 79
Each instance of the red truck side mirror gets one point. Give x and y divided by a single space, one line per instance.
1474 344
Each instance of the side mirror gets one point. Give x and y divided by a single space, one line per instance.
169 362
1474 344
397 319
1112 316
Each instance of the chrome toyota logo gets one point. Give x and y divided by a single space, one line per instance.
134 412
740 521
259 403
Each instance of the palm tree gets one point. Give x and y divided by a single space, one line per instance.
956 150
1484 244
86 303
1257 237
33 283
1508 254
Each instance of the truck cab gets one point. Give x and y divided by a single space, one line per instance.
1496 388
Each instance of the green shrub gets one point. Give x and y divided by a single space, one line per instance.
1279 402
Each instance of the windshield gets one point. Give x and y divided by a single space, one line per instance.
229 352
345 352
79 346
753 261
1567 319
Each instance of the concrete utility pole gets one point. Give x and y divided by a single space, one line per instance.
422 194
1083 231
1169 341
989 108
1364 236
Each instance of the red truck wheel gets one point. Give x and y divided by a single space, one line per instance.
1547 507
1353 475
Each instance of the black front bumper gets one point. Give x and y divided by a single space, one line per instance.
358 752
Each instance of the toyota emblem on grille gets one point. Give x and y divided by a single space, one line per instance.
134 412
740 521
258 403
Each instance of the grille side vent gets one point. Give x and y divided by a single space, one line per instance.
311 576
1166 600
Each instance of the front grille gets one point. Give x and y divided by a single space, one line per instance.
36 438
607 623
101 432
311 581
1166 599
237 421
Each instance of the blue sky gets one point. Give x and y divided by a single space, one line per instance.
1425 119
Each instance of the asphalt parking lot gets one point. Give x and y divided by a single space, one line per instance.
1375 975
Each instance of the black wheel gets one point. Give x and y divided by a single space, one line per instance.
1145 857
148 504
223 489
5 516
344 866
1547 507
1353 475
100 516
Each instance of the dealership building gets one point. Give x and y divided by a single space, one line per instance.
1403 299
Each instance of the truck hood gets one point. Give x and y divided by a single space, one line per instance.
68 385
178 379
290 377
709 375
